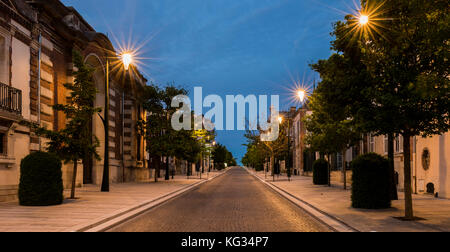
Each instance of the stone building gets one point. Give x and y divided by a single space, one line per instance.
429 162
37 38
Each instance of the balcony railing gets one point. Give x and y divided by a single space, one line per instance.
10 99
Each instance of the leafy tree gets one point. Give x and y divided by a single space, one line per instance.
75 141
222 156
276 150
162 139
331 128
410 60
255 157
205 138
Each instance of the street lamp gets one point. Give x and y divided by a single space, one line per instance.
301 95
364 19
210 154
126 60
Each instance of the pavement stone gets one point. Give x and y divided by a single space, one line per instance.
337 203
90 206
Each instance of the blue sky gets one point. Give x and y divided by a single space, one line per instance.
228 47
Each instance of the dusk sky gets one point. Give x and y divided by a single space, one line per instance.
228 47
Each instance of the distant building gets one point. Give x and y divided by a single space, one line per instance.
36 42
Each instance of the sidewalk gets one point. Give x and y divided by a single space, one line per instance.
336 203
92 206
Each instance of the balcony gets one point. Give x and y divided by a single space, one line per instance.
10 102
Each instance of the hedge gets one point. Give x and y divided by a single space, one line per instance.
41 180
371 182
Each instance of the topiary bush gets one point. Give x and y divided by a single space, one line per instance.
371 182
41 180
320 172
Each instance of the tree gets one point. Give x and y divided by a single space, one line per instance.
349 62
402 55
275 150
205 138
191 151
222 156
255 157
331 127
162 139
75 141
410 60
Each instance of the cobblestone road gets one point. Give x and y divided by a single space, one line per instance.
234 202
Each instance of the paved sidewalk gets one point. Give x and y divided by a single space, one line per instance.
336 202
91 207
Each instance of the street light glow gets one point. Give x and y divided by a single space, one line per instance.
127 59
363 19
280 119
301 95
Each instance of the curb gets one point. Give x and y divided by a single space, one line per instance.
107 222
325 218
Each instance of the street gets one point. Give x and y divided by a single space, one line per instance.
234 202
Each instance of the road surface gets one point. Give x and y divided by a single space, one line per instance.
234 202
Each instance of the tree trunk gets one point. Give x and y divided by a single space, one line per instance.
344 168
158 169
272 165
167 177
187 170
409 212
203 165
393 185
329 170
74 179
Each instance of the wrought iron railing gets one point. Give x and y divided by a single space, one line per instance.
10 99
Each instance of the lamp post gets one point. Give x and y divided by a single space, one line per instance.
210 154
126 59
301 95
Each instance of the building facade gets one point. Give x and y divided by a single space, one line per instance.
429 161
37 38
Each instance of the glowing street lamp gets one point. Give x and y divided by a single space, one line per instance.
280 119
126 60
364 20
301 95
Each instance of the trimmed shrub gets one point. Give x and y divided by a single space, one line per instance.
41 180
371 182
320 172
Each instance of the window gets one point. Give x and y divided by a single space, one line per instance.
426 159
386 144
340 160
4 57
399 144
371 143
3 144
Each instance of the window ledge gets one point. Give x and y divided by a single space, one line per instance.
8 161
